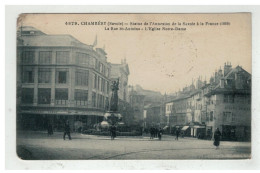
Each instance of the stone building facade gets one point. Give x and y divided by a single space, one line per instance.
224 103
59 78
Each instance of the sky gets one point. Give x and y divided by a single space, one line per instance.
163 61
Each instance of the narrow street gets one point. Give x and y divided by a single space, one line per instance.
38 146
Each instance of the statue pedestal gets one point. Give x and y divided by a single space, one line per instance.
111 118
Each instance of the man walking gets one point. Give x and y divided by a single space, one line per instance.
113 132
151 133
160 133
177 134
50 130
67 130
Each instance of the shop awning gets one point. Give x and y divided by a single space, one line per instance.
166 127
185 128
199 127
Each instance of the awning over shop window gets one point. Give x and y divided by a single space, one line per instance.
166 127
199 127
185 128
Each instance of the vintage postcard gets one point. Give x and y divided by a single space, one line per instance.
133 86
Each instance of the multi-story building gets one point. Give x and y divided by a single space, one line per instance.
59 78
152 115
224 103
176 111
137 104
229 103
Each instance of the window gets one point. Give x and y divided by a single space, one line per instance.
211 116
96 64
105 71
44 95
44 75
95 81
81 77
107 87
100 101
62 57
28 57
228 98
27 95
28 75
100 83
45 57
101 68
227 116
82 58
229 82
93 99
61 76
81 97
61 96
108 72
233 117
207 116
103 85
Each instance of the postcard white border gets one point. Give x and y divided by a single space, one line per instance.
13 162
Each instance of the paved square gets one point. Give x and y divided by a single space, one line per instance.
39 146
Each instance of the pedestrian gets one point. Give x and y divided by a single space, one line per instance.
67 130
155 132
113 132
217 135
177 134
151 133
50 130
160 133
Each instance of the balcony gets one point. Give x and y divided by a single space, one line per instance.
81 103
61 102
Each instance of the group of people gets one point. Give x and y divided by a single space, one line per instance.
156 132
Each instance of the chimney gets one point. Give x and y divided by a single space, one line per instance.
220 72
227 68
216 77
222 81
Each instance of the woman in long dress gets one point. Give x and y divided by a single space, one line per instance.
217 135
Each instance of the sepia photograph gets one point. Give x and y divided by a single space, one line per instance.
133 86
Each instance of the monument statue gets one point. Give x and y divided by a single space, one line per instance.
114 97
113 117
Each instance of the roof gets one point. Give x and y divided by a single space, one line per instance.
195 92
180 97
101 51
52 40
232 71
228 91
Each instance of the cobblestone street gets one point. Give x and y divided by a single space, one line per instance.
38 146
